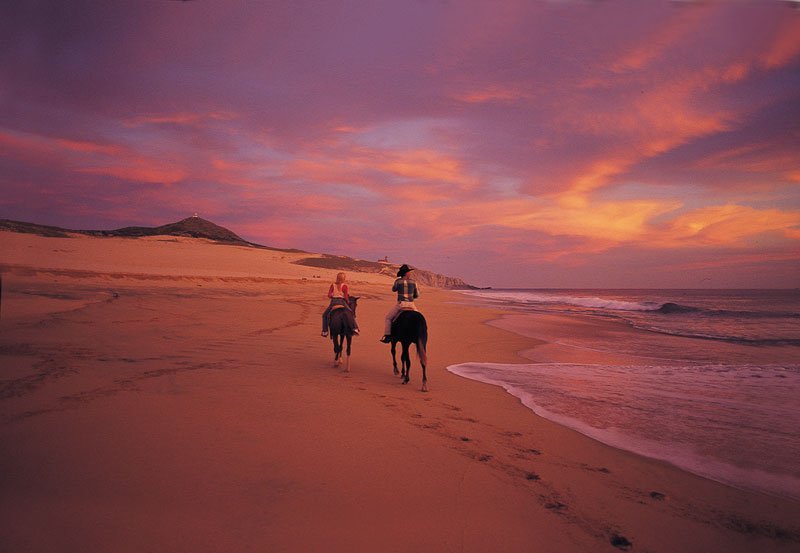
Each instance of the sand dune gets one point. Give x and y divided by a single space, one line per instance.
175 395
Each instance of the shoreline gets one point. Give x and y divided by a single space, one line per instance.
552 353
201 413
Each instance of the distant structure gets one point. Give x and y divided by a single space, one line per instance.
384 260
194 216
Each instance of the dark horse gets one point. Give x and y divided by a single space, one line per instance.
410 327
342 324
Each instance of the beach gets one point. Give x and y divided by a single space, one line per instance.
173 394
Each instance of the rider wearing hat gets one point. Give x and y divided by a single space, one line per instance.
406 294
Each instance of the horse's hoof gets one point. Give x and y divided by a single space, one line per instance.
424 387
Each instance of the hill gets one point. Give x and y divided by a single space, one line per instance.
196 227
191 227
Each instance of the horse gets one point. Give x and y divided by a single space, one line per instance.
410 327
341 327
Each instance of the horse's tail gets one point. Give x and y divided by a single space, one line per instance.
422 341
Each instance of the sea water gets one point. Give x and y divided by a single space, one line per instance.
711 381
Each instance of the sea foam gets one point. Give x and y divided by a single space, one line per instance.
733 424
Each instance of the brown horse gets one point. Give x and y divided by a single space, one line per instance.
342 325
410 327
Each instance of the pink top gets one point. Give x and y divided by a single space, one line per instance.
334 293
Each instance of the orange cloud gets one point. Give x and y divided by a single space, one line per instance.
755 158
27 146
606 223
494 93
140 170
785 46
180 118
650 123
726 225
93 157
426 165
423 173
600 226
89 147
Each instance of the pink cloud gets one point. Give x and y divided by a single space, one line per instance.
180 118
785 46
655 44
494 93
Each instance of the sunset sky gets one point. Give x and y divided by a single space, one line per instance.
512 143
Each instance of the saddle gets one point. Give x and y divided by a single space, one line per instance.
401 311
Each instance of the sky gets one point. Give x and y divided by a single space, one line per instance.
582 144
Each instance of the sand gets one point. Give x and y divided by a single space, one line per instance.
162 394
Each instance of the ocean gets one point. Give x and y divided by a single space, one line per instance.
710 382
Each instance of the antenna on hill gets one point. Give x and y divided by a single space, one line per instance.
194 216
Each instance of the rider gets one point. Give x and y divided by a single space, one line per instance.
339 293
406 293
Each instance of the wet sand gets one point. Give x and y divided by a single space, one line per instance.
175 395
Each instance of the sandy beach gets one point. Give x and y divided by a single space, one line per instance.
173 394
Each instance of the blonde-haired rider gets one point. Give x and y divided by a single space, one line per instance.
339 293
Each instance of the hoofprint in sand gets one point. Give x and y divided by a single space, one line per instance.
176 395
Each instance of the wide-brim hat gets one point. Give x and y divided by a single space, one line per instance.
404 269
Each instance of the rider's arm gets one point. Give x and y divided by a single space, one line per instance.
330 291
346 292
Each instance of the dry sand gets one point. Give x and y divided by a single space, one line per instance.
174 395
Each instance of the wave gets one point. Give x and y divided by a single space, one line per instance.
670 307
532 299
688 333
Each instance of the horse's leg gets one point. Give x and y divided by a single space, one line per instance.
337 350
405 361
423 364
394 358
422 351
347 359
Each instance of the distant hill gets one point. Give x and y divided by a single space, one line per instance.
196 227
191 227
32 228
